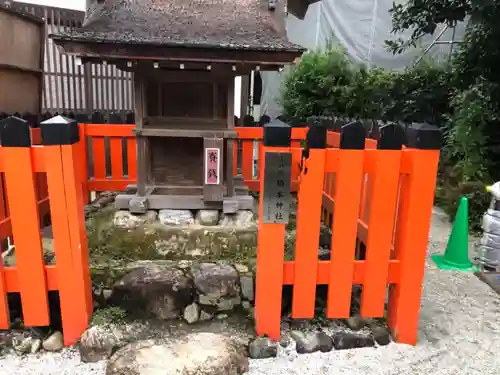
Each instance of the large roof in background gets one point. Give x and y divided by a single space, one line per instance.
235 24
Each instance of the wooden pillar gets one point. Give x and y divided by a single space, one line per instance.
245 83
87 79
143 157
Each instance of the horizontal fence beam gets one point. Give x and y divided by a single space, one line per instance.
12 281
324 271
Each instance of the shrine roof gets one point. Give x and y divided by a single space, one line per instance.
227 24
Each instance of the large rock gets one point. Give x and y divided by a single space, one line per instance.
192 313
206 242
176 217
216 280
242 218
346 340
325 342
247 289
104 199
127 220
100 342
262 347
381 335
207 217
307 342
54 342
154 290
355 322
24 347
194 354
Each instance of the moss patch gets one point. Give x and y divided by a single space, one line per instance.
108 316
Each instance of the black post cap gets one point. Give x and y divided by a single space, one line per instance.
424 136
31 118
248 121
59 130
392 137
325 121
316 135
130 118
277 134
82 118
97 118
264 119
46 116
352 136
15 132
115 118
374 132
339 123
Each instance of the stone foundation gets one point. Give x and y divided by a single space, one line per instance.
171 264
178 234
189 290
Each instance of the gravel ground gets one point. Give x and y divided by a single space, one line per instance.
66 362
459 334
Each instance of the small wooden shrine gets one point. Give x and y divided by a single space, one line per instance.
184 55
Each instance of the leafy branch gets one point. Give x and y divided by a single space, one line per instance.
422 17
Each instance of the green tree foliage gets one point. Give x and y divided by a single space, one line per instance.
462 98
318 85
327 82
423 17
472 154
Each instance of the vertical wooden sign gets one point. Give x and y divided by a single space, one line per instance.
277 187
212 166
213 175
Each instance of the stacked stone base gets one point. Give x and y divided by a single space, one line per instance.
188 290
204 235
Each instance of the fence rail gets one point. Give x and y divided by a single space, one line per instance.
112 152
247 138
112 167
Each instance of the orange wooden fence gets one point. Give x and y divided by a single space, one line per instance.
41 197
54 172
379 193
122 156
247 137
110 155
108 164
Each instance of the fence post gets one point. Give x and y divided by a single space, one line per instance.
310 198
23 208
275 196
60 138
385 164
412 230
84 162
348 185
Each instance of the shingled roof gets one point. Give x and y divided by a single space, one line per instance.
228 24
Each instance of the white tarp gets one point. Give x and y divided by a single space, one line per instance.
361 26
